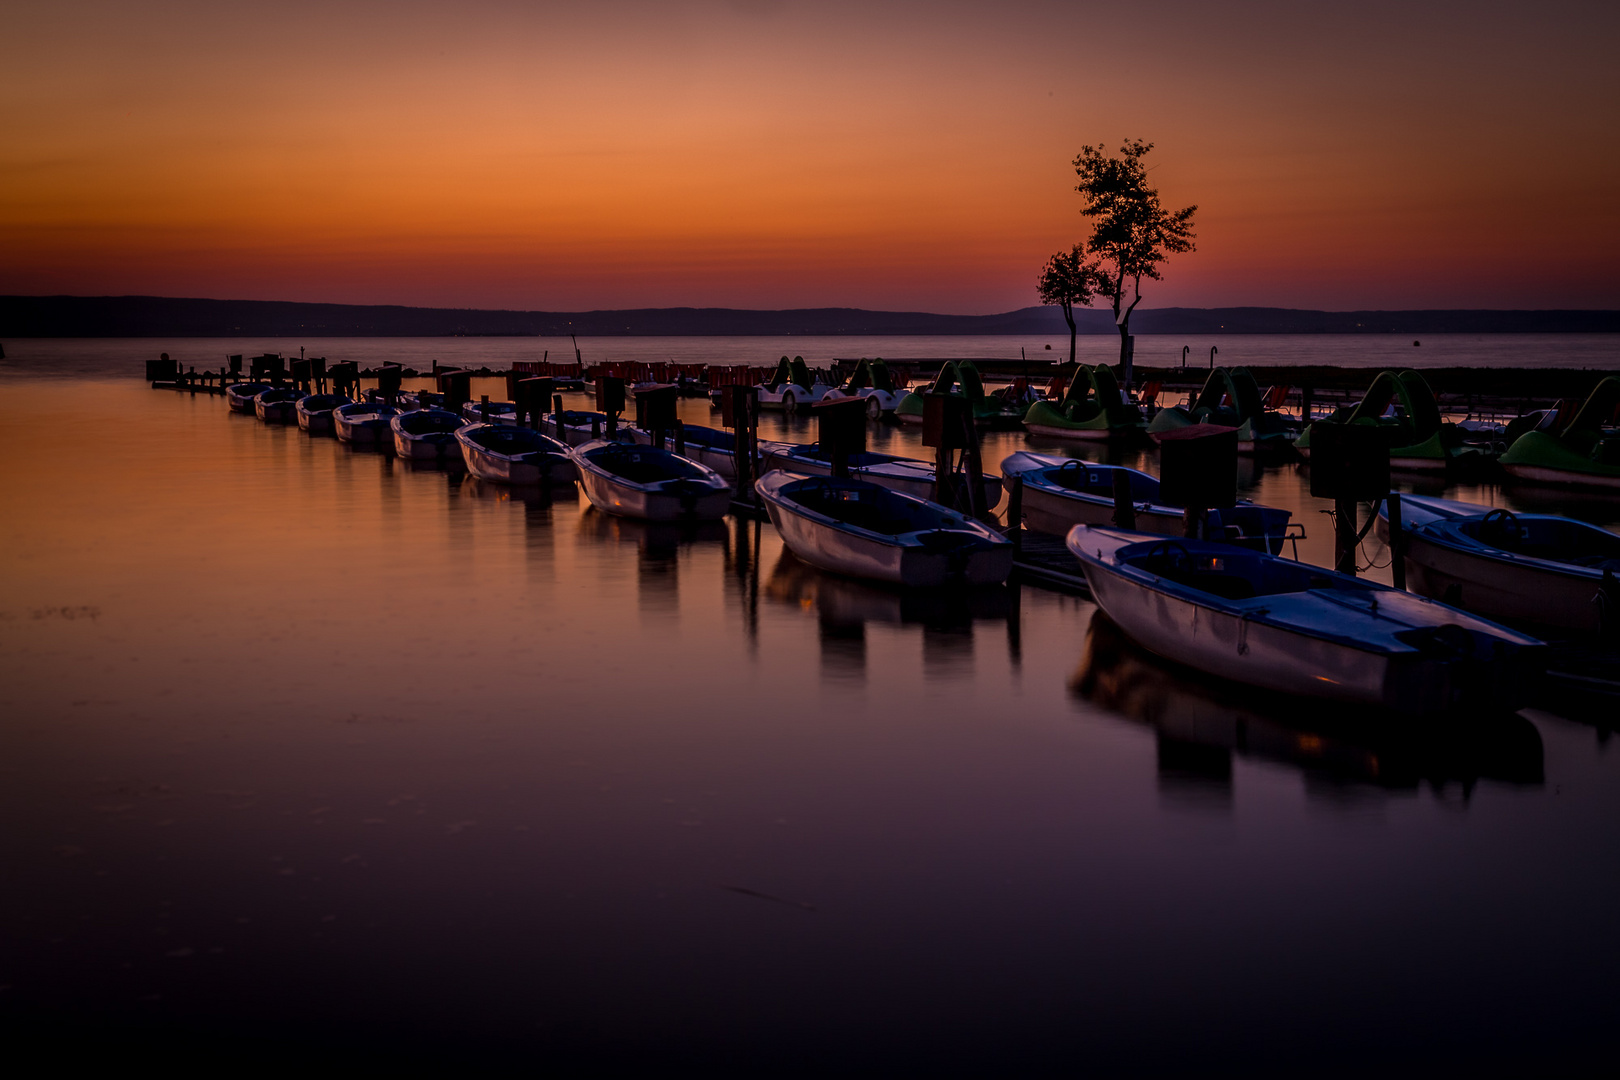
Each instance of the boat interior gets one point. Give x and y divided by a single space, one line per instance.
1231 573
429 421
862 505
1091 479
504 439
644 464
1554 538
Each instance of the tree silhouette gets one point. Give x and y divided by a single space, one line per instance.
1069 278
1132 234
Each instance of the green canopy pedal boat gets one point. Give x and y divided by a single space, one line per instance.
1093 408
1584 452
961 377
1230 399
1402 406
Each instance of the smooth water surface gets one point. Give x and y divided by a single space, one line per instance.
118 357
307 752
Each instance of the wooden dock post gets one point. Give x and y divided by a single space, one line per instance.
946 430
1349 463
1397 540
1124 508
1015 514
739 410
841 431
1198 471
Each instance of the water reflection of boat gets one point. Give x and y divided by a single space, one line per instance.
1201 724
844 600
489 491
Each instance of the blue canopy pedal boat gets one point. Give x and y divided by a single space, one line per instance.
427 435
649 483
1299 629
1060 493
865 530
1543 569
504 454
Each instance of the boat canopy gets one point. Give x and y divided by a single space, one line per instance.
1585 429
871 373
1233 390
1094 390
1408 389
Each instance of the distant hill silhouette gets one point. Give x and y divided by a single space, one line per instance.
157 316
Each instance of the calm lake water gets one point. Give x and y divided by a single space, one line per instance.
305 751
117 356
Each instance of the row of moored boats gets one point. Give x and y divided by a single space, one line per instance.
1229 605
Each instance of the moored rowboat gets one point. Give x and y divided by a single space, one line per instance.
1536 568
240 396
1060 493
648 483
506 454
861 529
427 435
363 423
1299 629
315 412
905 475
277 406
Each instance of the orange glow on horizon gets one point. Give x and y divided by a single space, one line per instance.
773 155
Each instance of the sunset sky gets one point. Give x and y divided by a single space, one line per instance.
761 154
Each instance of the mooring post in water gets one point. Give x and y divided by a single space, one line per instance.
975 471
1124 508
1305 403
1015 514
483 407
1349 464
841 431
739 410
609 402
945 430
1198 471
1397 540
557 417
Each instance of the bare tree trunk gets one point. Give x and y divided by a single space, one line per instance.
1068 317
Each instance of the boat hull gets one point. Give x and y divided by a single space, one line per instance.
1247 643
441 446
1498 590
906 558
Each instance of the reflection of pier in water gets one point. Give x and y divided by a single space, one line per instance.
844 607
1201 723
